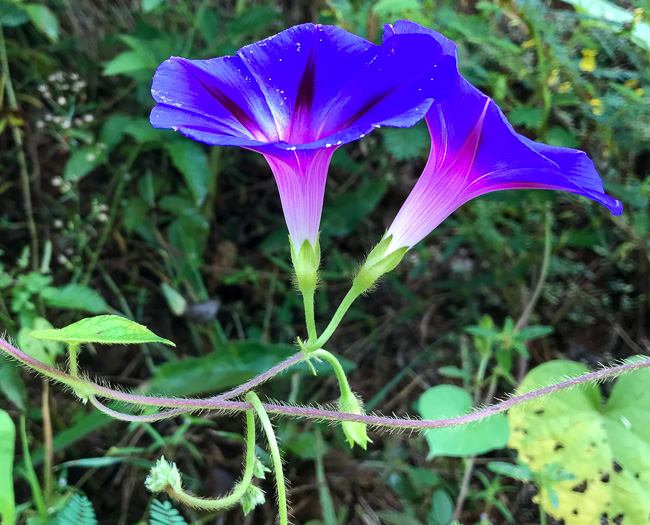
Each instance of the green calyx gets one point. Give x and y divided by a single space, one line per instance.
378 263
306 261
354 432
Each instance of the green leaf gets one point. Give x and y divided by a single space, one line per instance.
78 511
83 161
142 131
526 116
607 448
442 508
7 442
534 332
162 513
75 297
512 471
406 143
12 384
447 401
561 137
44 351
190 159
232 365
130 61
44 20
103 329
11 15
114 129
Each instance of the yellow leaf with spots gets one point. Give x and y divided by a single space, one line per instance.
606 447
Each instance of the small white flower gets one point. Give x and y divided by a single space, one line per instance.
61 101
88 117
40 124
90 157
58 224
66 124
102 217
56 182
62 259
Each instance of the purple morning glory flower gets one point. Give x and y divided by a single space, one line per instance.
295 97
475 150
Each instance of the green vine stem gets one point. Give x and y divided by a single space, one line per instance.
252 398
174 490
190 405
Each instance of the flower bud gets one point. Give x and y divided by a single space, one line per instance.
253 497
163 475
354 432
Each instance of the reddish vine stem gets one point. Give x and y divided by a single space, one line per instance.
92 389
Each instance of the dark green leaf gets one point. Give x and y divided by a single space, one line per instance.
190 159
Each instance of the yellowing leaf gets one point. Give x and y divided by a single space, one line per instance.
607 448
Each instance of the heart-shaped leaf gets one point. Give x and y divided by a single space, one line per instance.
606 447
103 329
446 401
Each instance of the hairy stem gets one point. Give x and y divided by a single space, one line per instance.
72 356
191 405
252 398
241 487
310 319
338 369
347 301
144 418
269 374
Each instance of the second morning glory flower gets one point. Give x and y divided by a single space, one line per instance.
475 150
297 96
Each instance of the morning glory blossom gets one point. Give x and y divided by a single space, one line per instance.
299 95
475 150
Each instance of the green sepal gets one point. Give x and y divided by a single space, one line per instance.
305 263
378 263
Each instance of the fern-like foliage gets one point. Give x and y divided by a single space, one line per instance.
78 511
162 513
